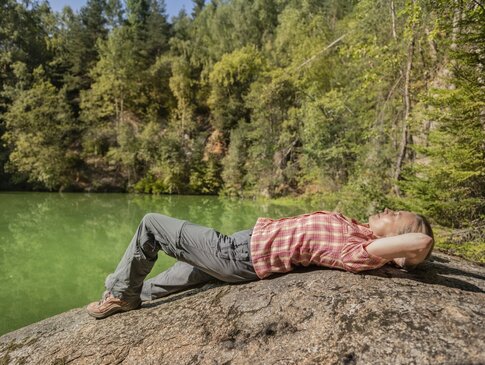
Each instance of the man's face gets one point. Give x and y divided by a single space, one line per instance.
390 223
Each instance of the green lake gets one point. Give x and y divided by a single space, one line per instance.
56 249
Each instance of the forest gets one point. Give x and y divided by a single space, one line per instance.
359 104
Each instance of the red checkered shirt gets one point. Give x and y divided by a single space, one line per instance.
319 238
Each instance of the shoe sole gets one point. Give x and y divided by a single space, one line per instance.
111 311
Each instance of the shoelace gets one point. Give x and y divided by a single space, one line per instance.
104 298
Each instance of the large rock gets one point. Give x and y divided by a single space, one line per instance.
314 316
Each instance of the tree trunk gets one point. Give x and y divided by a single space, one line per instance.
433 52
457 14
405 137
117 115
393 20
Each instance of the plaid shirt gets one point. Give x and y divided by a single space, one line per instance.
320 238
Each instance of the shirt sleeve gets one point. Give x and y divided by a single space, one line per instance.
355 257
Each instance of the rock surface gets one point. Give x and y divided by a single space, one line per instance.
434 315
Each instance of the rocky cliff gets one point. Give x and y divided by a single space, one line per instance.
434 315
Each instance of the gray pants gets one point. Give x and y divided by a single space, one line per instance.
203 254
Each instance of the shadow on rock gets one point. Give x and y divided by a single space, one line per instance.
437 272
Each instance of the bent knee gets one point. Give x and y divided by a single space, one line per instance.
149 217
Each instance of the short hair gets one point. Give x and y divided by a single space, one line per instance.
420 225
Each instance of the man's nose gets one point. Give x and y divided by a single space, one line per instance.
387 210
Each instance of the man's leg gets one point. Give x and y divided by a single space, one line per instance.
178 277
182 275
127 280
226 258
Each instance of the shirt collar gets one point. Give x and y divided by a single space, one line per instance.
363 227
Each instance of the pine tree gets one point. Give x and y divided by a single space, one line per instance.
450 184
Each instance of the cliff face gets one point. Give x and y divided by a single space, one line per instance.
432 316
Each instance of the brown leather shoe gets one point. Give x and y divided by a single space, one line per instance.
109 305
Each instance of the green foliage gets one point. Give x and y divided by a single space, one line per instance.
274 135
234 161
138 12
450 184
335 100
230 81
182 87
206 179
149 185
474 251
329 138
39 133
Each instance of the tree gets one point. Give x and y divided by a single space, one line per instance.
26 49
234 161
274 135
198 7
75 54
450 183
107 108
158 31
39 130
138 12
230 81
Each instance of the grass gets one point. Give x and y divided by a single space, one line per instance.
470 250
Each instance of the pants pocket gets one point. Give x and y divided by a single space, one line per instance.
235 247
225 247
241 251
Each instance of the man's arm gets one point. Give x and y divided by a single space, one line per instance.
406 250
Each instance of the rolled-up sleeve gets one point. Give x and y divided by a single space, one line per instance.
355 257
